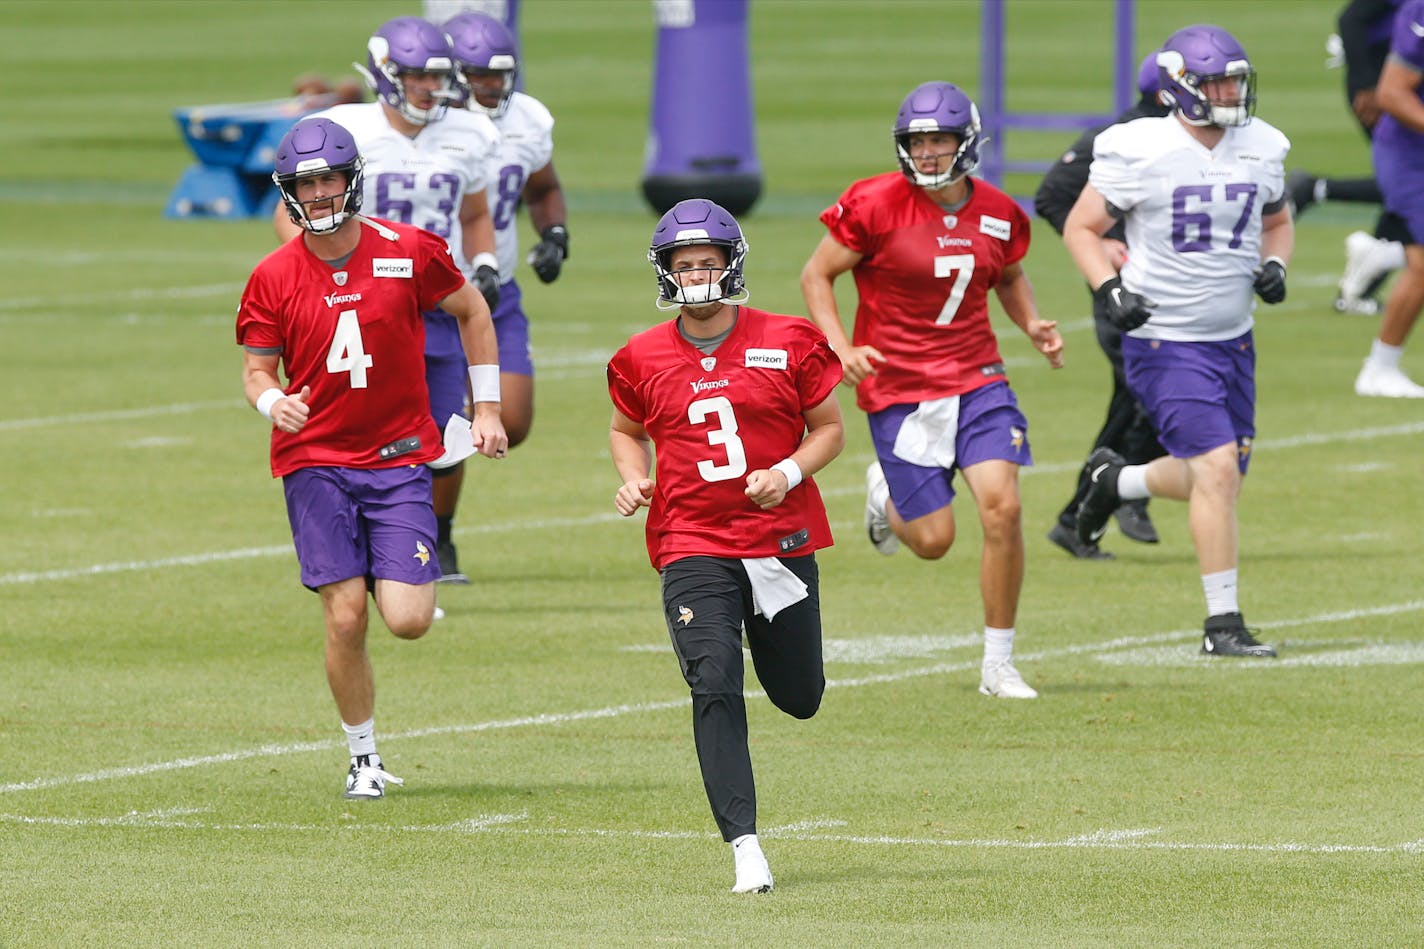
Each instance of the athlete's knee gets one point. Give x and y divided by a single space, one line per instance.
802 703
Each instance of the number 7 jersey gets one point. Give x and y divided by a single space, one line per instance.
923 281
716 419
355 335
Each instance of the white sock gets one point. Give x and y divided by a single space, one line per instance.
745 839
1384 355
1220 589
1396 255
1132 483
361 739
998 645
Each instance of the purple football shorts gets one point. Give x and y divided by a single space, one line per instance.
1199 395
356 522
991 427
1399 168
511 331
446 372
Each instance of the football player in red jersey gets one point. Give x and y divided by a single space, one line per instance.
338 310
925 245
740 405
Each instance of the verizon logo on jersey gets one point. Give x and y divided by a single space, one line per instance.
994 227
767 358
392 267
701 385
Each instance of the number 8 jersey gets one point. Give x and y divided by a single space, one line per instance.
1193 218
716 419
353 333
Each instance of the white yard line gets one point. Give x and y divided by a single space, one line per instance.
618 711
804 831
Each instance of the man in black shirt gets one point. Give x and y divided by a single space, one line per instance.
1126 429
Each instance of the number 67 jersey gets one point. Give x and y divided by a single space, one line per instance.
716 419
355 334
1193 219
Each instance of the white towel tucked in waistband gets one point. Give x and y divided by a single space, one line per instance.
927 435
774 586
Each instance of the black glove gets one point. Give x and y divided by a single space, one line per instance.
1119 308
548 256
1271 280
486 281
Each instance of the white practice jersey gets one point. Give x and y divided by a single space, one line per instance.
1193 219
421 180
526 144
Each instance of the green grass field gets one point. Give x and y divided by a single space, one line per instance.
172 757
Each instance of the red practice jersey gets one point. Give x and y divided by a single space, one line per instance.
716 419
923 280
356 336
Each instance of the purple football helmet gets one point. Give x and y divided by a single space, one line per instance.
313 147
698 221
483 46
1147 82
1202 54
939 107
403 45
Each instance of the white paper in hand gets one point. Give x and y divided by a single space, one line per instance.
459 442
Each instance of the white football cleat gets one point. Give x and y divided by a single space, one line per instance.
1367 261
1003 681
877 522
1386 381
753 873
366 781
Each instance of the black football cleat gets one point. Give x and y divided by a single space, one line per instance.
1227 635
1065 537
1101 500
449 563
1134 523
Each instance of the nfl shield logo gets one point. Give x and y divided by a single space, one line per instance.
950 221
340 278
708 362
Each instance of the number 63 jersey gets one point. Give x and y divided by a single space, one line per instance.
355 334
1193 217
716 419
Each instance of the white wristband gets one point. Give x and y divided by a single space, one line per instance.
792 471
1276 259
484 383
485 259
267 399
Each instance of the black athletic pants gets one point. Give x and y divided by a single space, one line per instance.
1127 430
707 601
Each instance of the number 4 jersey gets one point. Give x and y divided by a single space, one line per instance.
716 419
1193 219
353 333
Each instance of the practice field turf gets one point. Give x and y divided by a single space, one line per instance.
172 757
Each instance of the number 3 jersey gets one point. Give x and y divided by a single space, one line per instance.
923 281
716 419
1193 219
355 335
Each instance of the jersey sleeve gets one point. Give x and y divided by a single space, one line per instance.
439 277
1406 45
622 389
1117 167
844 221
542 123
818 373
257 326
